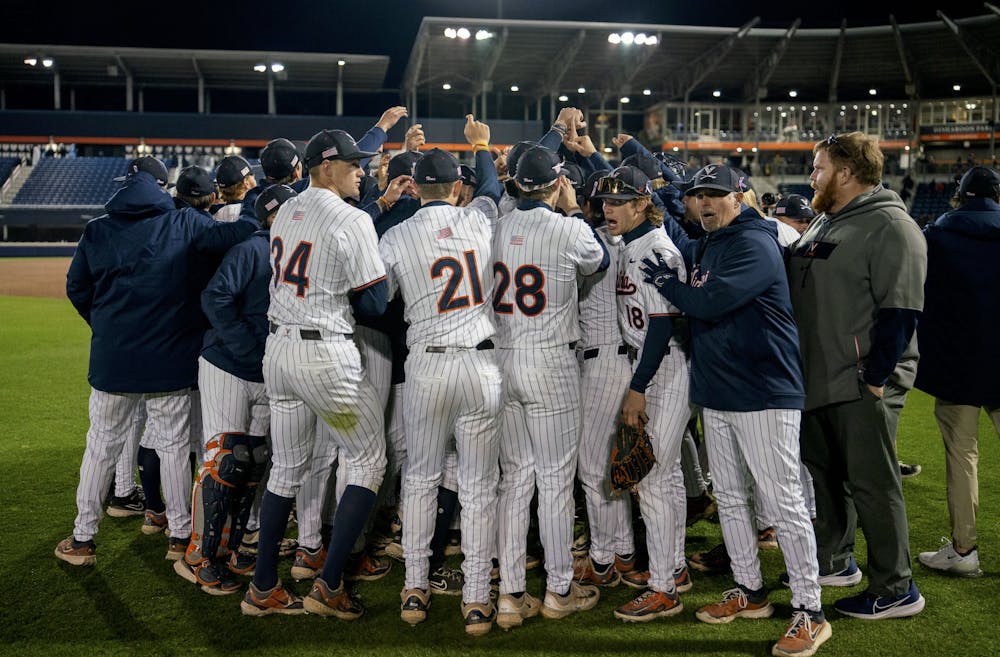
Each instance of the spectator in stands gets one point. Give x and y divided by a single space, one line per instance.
129 280
856 280
195 188
235 178
959 352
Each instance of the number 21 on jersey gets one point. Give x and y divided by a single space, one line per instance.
295 270
456 270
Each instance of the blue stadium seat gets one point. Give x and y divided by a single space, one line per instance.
71 181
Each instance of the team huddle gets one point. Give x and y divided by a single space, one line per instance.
478 333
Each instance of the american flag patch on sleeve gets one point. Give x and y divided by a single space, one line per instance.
298 215
444 232
517 240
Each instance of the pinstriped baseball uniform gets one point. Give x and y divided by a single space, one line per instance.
126 464
737 456
310 502
440 260
605 372
322 249
538 256
661 492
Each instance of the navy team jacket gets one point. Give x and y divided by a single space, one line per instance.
129 279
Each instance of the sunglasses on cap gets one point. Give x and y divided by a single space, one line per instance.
611 185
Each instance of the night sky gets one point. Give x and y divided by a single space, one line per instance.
389 28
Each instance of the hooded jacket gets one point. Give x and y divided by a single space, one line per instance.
957 334
130 279
744 344
844 270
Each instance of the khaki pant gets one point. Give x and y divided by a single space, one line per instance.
960 429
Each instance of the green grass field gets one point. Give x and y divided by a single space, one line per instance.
132 603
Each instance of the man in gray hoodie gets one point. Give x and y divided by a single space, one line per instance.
856 280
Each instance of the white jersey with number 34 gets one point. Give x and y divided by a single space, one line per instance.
321 250
537 257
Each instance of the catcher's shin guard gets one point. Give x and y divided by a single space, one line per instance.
220 478
242 498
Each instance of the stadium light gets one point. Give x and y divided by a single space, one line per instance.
514 87
260 68
623 99
956 87
651 41
341 62
873 91
640 38
47 62
482 35
628 38
647 92
614 38
450 32
31 61
581 90
563 98
277 67
717 93
463 33
793 93
446 86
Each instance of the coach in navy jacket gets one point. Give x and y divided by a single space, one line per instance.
129 281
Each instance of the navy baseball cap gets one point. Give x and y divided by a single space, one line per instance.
794 206
675 165
150 165
232 169
401 164
333 145
195 181
645 163
624 183
537 168
716 176
279 158
590 186
516 151
469 175
980 182
575 174
271 199
436 166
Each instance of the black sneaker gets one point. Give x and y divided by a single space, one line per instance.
133 504
446 581
907 470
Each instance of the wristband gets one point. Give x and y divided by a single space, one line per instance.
481 146
560 127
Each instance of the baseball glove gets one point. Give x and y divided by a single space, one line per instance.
631 457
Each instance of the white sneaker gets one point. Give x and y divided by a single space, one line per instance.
580 597
511 611
949 561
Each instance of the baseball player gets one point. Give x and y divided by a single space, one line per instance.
435 259
537 257
235 410
128 281
751 391
325 264
235 178
659 383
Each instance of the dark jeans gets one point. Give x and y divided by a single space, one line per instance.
851 457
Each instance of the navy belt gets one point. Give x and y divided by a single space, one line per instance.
305 334
595 351
482 346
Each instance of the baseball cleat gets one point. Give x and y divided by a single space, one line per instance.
446 581
805 634
767 539
649 606
948 560
579 597
714 562
415 604
512 609
338 602
631 574
365 567
274 601
214 578
186 570
849 575
154 522
478 617
308 563
682 580
133 504
586 572
241 563
176 548
736 603
78 553
869 606
907 470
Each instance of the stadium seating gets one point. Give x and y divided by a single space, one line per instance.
803 189
7 165
931 200
71 181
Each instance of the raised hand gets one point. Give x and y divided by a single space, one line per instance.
391 117
476 132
